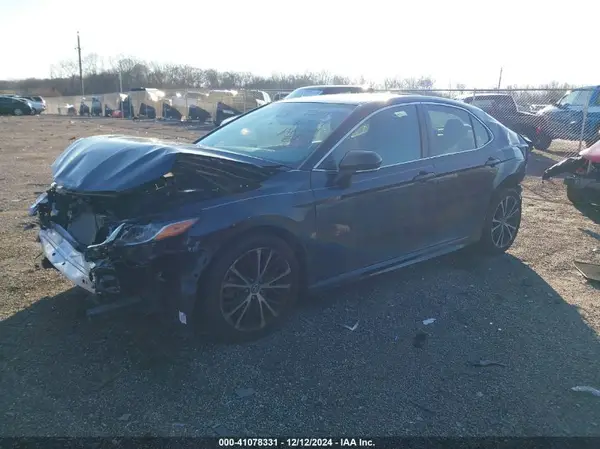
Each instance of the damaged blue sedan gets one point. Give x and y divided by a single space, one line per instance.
228 232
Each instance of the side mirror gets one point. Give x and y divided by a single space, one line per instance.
355 161
360 160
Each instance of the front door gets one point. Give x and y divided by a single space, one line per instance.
380 215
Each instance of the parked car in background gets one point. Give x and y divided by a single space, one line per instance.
504 109
310 91
10 105
535 108
280 96
228 232
97 108
38 105
564 118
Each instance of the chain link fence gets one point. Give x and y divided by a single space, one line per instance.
554 120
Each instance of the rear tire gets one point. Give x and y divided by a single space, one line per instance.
249 289
502 222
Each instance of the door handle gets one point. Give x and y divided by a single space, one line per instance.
492 162
424 176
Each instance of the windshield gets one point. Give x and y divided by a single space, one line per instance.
576 98
285 133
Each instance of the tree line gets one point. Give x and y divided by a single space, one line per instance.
128 72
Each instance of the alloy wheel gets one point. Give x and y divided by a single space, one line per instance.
255 289
18 111
505 222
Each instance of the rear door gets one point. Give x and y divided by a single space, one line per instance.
380 216
465 165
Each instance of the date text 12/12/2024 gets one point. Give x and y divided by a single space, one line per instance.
295 442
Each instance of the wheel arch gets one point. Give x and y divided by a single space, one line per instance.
230 240
511 181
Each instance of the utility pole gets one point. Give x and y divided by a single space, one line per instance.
500 78
78 48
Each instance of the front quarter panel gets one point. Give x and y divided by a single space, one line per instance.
284 206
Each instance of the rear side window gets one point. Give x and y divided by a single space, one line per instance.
481 133
450 130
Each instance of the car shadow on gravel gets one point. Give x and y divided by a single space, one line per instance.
538 162
499 358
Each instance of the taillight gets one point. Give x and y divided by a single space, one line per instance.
538 130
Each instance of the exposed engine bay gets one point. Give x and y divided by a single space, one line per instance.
116 220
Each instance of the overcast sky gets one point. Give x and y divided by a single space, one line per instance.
452 41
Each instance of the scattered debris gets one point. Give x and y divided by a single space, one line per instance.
588 270
124 417
484 363
244 392
429 321
178 424
419 339
587 389
28 226
72 138
479 394
351 328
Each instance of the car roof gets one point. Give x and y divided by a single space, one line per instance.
375 97
331 86
584 88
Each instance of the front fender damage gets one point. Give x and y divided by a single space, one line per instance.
189 280
165 275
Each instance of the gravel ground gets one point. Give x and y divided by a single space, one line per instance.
63 375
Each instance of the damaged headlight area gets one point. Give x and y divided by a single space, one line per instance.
137 234
42 199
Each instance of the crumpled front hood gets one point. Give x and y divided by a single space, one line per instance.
120 163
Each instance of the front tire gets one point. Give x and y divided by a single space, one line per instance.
250 288
18 111
502 222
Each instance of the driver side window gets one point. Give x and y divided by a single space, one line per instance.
392 133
